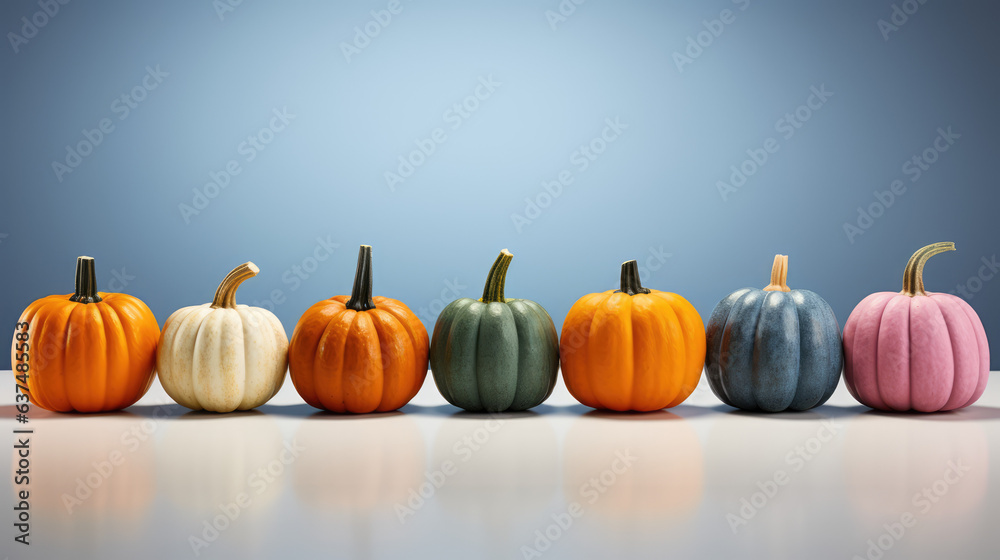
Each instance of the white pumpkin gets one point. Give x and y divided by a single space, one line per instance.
221 356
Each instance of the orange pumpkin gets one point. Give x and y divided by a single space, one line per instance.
88 351
358 354
633 348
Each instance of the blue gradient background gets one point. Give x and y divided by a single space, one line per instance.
654 188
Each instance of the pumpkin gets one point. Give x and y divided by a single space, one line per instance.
221 356
774 349
360 353
632 349
88 351
916 350
495 354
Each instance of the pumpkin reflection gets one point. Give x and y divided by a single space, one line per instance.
358 463
889 461
636 466
209 460
501 465
83 474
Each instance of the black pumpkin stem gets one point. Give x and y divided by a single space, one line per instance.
86 281
361 295
913 276
495 280
630 279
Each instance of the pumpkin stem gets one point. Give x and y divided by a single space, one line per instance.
779 275
86 281
361 295
913 276
225 295
630 283
495 280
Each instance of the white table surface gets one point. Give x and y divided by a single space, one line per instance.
848 475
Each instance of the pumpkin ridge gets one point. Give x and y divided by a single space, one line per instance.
954 356
717 352
377 343
544 317
753 319
43 313
878 393
672 346
194 363
64 376
386 309
588 372
105 327
343 358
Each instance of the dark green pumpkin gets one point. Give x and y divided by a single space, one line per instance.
495 354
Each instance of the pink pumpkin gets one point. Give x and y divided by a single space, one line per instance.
916 350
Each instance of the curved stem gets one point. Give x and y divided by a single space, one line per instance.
913 276
85 290
779 275
495 280
361 294
225 295
630 283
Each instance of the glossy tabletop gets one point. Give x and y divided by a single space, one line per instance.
699 481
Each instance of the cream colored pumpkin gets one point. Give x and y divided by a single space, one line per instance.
221 356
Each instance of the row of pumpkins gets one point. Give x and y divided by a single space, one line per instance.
631 349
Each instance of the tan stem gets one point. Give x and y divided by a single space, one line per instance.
225 296
779 275
913 276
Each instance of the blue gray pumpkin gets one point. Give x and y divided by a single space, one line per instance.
774 349
495 354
